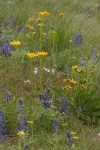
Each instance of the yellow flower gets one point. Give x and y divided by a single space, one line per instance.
73 82
31 20
80 70
40 25
31 55
31 122
54 33
21 133
30 28
73 132
66 80
61 14
15 43
42 53
74 67
68 86
97 5
38 20
75 137
64 124
44 13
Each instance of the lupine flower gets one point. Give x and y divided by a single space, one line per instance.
94 54
78 39
64 107
26 147
64 103
11 21
25 123
46 104
44 96
69 139
22 124
2 125
55 125
6 49
44 86
20 107
8 97
68 110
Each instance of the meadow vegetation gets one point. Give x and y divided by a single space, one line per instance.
49 75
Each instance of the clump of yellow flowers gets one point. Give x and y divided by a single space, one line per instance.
44 13
15 43
33 55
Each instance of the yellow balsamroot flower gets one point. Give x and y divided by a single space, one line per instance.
73 132
31 55
75 137
66 80
80 70
31 28
97 5
21 133
44 13
54 33
40 25
31 20
68 86
15 43
74 67
61 14
73 82
65 124
31 122
38 20
42 53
